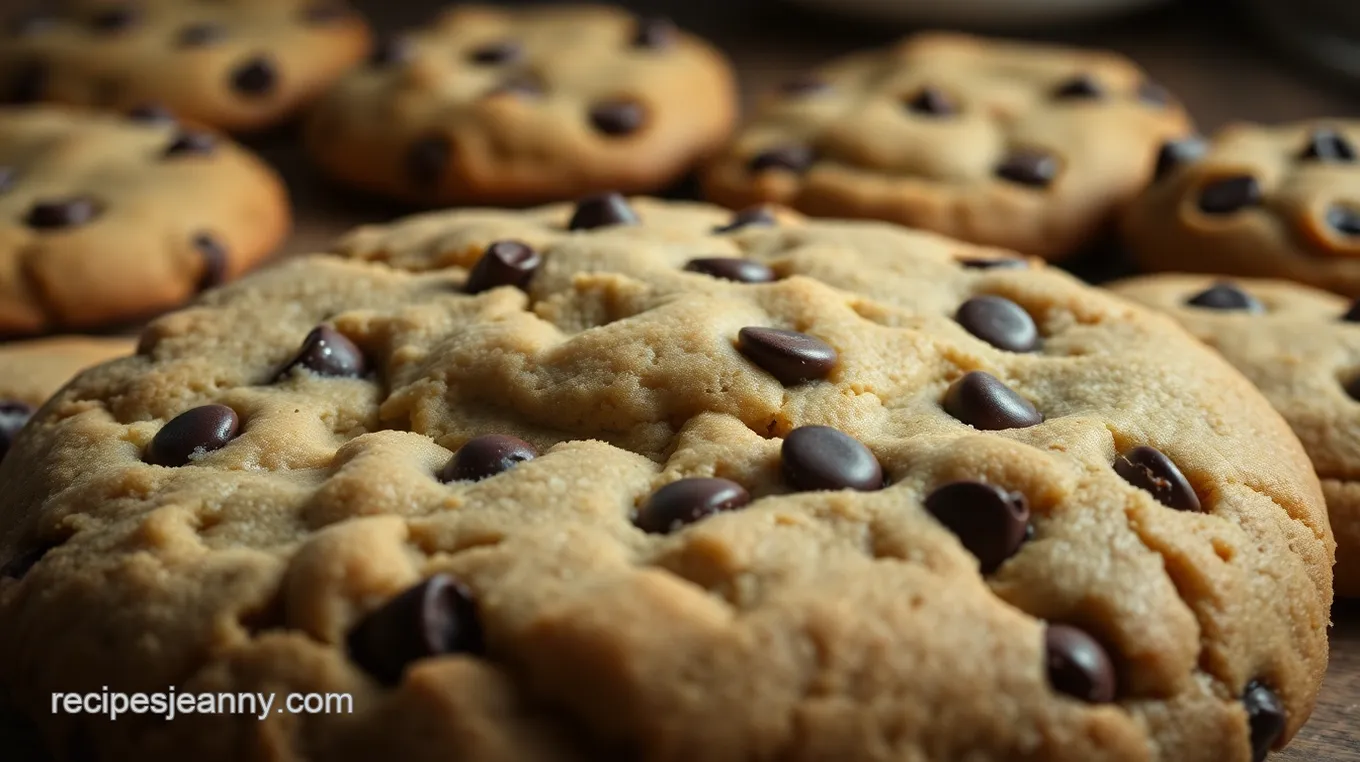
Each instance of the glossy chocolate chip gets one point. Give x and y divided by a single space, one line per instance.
687 501
999 322
215 262
1225 296
792 158
485 456
63 213
982 401
151 113
200 34
1326 144
436 617
755 216
1227 195
989 521
327 352
1149 469
804 84
1036 169
255 77
1152 93
504 263
493 53
818 458
391 51
654 33
732 268
994 263
193 432
789 356
1266 717
191 144
602 211
426 160
114 19
1177 153
1344 219
618 118
13 416
1078 665
1080 87
931 101
26 83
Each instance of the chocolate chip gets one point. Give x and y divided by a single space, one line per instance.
654 33
27 83
13 416
63 213
485 456
1152 93
1078 664
391 51
1176 153
602 211
1225 296
437 616
1148 469
754 215
214 254
191 144
1080 87
1266 717
193 432
1030 167
1344 219
793 158
255 77
113 19
616 118
200 34
325 12
19 566
804 84
426 160
994 263
731 268
1326 144
999 322
327 352
789 356
1352 388
496 53
931 101
151 113
504 263
822 458
1352 314
980 400
687 501
989 521
1230 194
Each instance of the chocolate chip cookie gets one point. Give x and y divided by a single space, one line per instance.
543 103
104 218
1001 143
32 371
648 481
237 65
1259 201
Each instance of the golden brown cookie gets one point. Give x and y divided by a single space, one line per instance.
32 371
492 105
236 65
1258 201
1029 147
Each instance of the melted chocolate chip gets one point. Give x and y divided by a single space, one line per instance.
493 53
114 19
1036 169
1225 296
191 144
504 263
732 268
618 118
437 616
1154 94
1327 144
654 33
931 101
687 501
789 356
63 213
391 51
982 401
989 521
1227 195
792 158
327 352
1266 717
1078 665
151 113
27 83
1148 469
996 263
426 160
13 416
193 432
485 456
999 322
215 260
602 211
1176 153
255 77
816 458
200 34
751 216
1344 219
1080 87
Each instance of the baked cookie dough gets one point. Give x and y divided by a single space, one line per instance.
31 371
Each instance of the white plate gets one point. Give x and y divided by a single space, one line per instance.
991 13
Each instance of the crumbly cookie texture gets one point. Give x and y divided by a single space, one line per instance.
1029 147
106 218
1258 201
542 103
1301 347
238 65
645 481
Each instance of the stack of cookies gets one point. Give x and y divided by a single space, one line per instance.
617 479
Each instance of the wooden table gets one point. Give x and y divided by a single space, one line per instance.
1197 49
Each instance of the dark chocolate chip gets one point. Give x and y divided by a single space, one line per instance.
195 431
989 521
485 456
200 34
27 83
114 19
1148 469
1153 93
504 263
426 160
1225 295
1266 717
731 268
792 157
437 616
1344 219
1078 665
931 101
654 33
1327 144
687 501
391 51
255 77
755 215
999 322
602 210
617 118
496 53
63 213
13 416
191 144
151 113
327 352
789 356
982 401
1030 167
1230 194
994 263
1080 87
822 458
325 12
804 84
214 254
1176 153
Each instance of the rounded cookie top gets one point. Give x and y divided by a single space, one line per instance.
105 218
510 106
236 65
638 481
1029 147
1259 201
